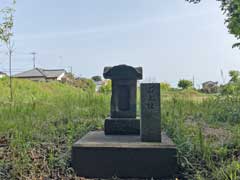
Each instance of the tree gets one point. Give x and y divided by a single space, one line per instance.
234 76
185 84
6 24
97 78
231 8
5 36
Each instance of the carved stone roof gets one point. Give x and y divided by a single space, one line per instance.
123 72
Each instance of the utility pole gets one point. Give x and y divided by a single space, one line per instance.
34 59
222 75
71 69
193 81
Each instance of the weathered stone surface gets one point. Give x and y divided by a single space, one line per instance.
99 156
123 101
150 112
122 126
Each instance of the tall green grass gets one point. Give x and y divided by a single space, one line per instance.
207 136
38 128
41 124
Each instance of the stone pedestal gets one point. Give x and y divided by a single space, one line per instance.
99 156
122 126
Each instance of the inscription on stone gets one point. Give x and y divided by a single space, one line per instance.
150 112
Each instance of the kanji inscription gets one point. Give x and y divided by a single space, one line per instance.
150 112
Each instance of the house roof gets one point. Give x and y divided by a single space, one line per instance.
210 82
51 73
2 73
38 72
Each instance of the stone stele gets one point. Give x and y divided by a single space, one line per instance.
150 112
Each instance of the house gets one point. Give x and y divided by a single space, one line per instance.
210 87
99 84
38 74
2 74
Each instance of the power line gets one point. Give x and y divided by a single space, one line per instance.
15 52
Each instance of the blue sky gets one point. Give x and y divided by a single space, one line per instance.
171 40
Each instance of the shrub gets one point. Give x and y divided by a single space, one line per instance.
85 84
234 75
165 86
96 78
185 84
230 89
106 88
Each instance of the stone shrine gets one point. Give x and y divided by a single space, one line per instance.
123 102
127 148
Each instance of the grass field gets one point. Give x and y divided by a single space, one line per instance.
38 128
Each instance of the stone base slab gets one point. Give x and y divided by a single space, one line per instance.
122 126
99 156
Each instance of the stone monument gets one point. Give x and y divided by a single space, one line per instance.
150 112
125 149
123 119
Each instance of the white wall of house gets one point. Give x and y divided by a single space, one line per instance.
59 78
2 75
